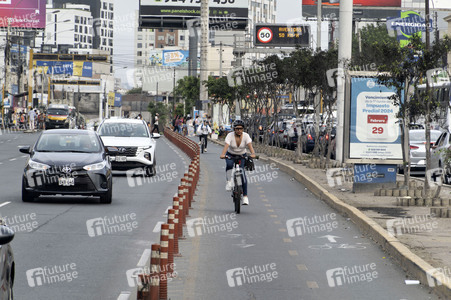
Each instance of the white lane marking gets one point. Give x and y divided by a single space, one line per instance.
5 203
124 296
331 238
157 227
13 159
144 258
167 210
24 156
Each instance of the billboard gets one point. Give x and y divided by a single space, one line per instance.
380 3
407 25
156 57
374 132
23 13
117 100
175 13
368 9
172 58
282 35
72 68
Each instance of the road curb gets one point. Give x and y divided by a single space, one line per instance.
409 262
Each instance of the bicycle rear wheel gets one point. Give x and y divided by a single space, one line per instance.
237 199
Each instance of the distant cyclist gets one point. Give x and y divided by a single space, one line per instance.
235 144
204 130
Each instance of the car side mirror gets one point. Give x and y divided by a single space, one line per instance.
156 135
6 235
25 149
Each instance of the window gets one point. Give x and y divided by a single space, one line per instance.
86 30
182 37
110 42
139 62
140 37
76 28
160 30
140 45
105 7
77 19
76 37
139 53
111 6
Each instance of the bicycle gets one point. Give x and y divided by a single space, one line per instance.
237 191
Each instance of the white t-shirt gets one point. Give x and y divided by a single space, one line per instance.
233 147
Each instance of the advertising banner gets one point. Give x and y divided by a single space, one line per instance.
111 96
177 8
407 25
76 68
23 13
381 3
374 128
117 100
173 58
156 58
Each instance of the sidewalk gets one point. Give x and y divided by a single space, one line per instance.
418 245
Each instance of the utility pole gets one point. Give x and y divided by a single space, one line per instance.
318 24
344 55
220 60
203 95
6 72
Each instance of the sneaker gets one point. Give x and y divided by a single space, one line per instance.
229 185
245 200
205 150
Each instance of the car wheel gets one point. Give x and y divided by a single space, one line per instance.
26 195
107 197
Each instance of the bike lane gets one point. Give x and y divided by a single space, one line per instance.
286 244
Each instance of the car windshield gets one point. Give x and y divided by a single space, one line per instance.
57 111
88 143
419 136
124 130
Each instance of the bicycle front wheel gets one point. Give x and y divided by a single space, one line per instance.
237 199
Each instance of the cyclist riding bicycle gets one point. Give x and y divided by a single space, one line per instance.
203 131
235 144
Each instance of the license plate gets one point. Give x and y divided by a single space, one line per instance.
121 158
66 181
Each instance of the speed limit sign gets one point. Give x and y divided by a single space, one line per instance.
264 35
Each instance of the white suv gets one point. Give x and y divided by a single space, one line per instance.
135 144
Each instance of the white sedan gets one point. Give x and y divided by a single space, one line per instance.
135 144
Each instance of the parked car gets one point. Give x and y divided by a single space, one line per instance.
439 154
417 151
135 144
7 264
308 138
67 162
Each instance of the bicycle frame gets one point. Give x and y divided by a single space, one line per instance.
237 172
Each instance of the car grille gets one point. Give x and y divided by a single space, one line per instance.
82 183
129 151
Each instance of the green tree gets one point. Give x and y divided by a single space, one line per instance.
135 91
188 89
366 46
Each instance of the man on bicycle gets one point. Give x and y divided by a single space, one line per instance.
235 144
204 130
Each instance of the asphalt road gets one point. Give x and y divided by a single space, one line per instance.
287 244
56 235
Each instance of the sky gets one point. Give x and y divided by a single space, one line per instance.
124 11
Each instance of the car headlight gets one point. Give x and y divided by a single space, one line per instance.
38 166
95 167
